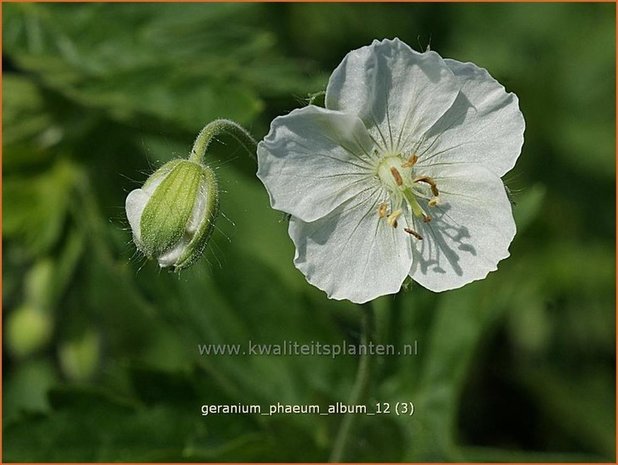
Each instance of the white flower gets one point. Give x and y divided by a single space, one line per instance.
398 176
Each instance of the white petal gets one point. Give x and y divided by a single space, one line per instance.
134 207
397 92
136 202
470 232
484 125
313 160
352 254
199 211
171 256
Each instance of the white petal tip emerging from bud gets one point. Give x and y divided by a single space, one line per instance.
134 206
171 257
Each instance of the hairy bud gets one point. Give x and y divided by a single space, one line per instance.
173 215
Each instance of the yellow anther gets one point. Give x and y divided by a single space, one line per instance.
410 162
382 210
433 201
397 176
393 217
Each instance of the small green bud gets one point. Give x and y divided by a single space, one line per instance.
28 330
79 358
173 215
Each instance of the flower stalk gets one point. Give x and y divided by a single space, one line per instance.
220 127
360 388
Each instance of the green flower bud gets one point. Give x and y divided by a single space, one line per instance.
79 358
28 330
173 215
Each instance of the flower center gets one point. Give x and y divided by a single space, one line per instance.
405 187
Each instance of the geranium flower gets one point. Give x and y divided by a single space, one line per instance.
400 174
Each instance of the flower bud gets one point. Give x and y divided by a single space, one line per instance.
172 216
28 330
80 357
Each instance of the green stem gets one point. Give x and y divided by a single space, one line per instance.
393 334
220 127
359 390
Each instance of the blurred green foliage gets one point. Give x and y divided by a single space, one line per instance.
100 348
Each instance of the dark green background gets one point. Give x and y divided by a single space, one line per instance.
100 348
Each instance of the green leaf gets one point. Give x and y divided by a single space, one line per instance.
171 62
24 116
27 391
36 206
89 426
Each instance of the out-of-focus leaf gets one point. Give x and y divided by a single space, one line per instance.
164 61
35 207
448 331
154 386
588 146
587 400
28 388
455 334
24 118
489 454
88 426
527 205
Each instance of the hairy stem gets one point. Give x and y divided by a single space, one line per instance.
220 127
359 390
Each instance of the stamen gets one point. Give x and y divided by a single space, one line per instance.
431 182
392 218
397 176
411 232
410 162
433 201
426 218
382 210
